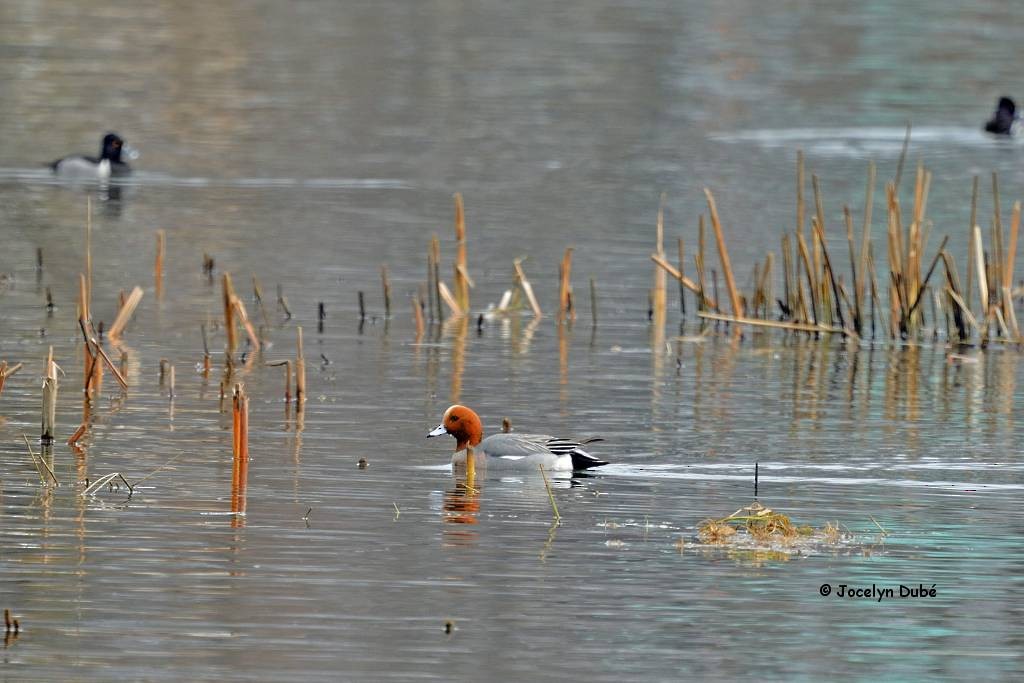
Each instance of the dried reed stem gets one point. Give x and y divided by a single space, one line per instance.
50 389
524 284
593 302
683 280
287 377
551 496
800 192
6 372
158 267
565 309
780 324
243 317
386 286
417 315
723 255
300 369
446 296
979 265
229 313
435 262
124 314
461 282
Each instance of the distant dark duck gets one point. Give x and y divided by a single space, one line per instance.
1003 118
109 163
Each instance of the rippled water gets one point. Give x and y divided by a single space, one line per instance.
310 143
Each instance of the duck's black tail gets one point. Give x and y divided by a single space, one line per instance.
581 460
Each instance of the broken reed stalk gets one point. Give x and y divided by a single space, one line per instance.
247 325
50 388
417 315
282 302
287 377
461 281
435 259
300 370
659 293
816 224
6 372
524 284
903 157
88 255
979 266
240 423
565 308
431 283
800 207
158 267
865 244
723 255
362 305
593 303
698 261
780 324
257 297
812 285
206 352
228 291
1011 257
387 290
683 280
682 287
124 314
449 299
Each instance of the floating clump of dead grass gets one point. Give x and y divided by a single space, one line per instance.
756 527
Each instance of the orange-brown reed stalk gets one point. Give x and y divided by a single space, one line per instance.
240 450
417 315
659 292
462 281
158 266
228 291
124 314
565 307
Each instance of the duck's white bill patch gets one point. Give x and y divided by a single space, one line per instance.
437 431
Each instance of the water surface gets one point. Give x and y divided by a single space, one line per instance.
310 143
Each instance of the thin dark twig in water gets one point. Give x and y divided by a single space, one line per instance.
903 156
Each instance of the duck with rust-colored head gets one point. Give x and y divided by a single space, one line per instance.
512 450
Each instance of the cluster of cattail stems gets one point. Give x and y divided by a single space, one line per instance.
815 297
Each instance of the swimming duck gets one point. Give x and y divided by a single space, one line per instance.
108 164
519 451
1003 118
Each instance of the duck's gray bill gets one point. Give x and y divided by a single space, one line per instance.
437 431
130 152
